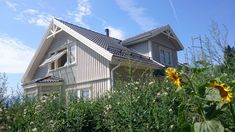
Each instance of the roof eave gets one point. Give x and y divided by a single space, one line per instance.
32 85
140 64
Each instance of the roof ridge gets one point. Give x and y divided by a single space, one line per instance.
88 29
150 31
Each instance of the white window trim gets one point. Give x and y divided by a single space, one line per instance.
49 66
79 92
150 49
72 43
168 50
56 52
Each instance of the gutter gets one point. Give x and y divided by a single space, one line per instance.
112 71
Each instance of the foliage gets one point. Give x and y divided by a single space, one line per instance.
147 105
3 86
229 58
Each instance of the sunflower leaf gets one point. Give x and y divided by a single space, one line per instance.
213 95
208 126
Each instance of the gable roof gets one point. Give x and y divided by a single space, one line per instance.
152 33
102 44
112 45
98 38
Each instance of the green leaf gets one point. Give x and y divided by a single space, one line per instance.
201 90
198 70
179 89
213 95
208 126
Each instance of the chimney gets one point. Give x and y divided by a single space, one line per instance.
107 32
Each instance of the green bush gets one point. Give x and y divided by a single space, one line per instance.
147 105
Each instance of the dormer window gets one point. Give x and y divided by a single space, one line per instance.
165 56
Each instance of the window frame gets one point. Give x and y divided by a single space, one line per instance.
74 43
79 94
49 66
165 51
61 50
68 52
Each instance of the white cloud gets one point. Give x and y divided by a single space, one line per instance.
83 9
115 32
174 11
35 17
11 5
15 56
137 13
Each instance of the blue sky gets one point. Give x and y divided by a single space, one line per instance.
23 23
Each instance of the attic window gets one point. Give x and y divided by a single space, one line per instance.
52 64
63 59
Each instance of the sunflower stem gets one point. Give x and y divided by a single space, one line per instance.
190 82
232 111
203 116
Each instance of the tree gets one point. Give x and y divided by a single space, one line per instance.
3 85
229 57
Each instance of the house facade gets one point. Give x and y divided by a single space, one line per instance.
84 63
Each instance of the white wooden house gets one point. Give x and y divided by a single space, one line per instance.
85 63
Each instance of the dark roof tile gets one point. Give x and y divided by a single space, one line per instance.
113 45
48 79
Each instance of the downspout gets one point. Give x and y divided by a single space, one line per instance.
112 71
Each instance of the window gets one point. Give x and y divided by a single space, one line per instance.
52 64
61 58
84 94
162 56
165 56
72 54
72 95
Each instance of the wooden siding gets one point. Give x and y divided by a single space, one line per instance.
31 91
141 48
98 87
157 42
60 41
91 69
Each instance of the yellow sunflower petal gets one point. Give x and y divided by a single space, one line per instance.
173 76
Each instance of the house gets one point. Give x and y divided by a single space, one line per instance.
84 63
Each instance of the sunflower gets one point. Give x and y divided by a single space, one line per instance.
173 76
224 90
